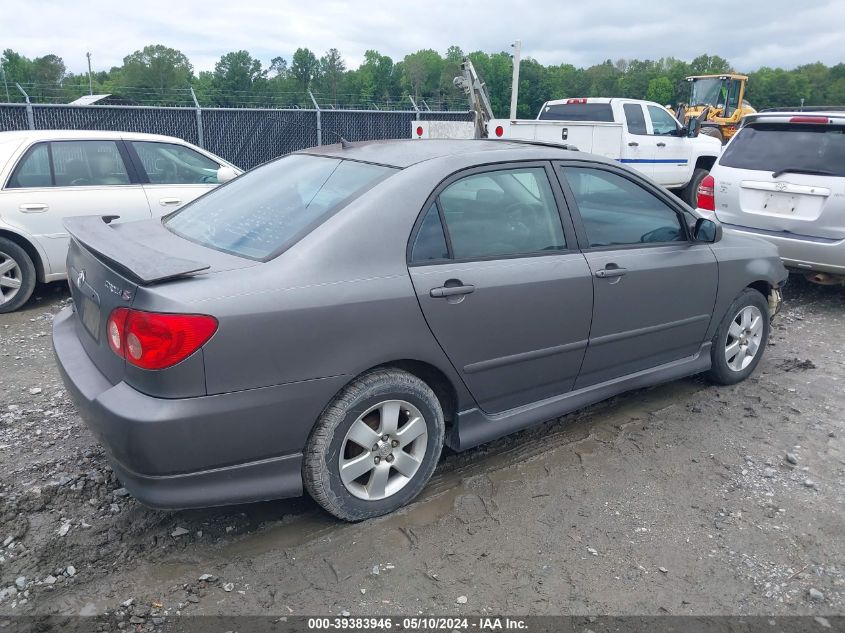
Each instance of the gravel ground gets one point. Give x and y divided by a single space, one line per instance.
681 499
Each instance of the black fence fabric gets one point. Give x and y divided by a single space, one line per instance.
245 137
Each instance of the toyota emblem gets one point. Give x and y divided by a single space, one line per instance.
80 279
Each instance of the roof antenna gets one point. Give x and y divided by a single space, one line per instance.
344 144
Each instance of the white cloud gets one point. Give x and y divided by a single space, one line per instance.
779 33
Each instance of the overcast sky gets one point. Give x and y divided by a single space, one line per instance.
782 33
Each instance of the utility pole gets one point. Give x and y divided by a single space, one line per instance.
517 49
90 83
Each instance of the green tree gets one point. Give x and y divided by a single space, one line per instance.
422 72
660 90
238 78
332 68
156 69
304 67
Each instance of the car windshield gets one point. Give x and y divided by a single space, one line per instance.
706 92
775 147
577 112
266 210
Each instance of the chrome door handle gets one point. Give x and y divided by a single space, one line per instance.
633 144
33 207
661 144
169 201
605 273
451 291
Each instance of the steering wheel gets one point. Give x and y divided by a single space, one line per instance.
210 179
80 182
520 218
663 234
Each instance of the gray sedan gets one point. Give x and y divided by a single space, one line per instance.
333 318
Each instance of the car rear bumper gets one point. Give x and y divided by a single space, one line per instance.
194 452
799 251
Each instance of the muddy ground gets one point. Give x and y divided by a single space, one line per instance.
678 499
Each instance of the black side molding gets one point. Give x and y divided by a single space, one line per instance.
144 264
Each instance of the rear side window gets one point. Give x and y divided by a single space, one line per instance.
88 163
259 214
775 147
636 119
577 112
430 244
33 170
170 164
502 213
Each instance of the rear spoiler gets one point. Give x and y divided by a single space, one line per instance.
144 264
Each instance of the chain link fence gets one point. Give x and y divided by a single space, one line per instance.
244 136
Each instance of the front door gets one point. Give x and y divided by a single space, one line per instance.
669 152
654 289
176 174
59 179
502 285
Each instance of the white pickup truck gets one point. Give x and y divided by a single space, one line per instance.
641 134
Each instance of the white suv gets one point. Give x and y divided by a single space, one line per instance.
782 178
46 176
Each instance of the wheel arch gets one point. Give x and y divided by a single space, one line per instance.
705 162
30 249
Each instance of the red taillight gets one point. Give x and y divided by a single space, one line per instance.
499 130
581 100
706 194
419 130
822 120
153 340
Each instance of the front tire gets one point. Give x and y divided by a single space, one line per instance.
740 339
375 445
17 276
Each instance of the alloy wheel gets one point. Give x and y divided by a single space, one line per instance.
383 450
744 337
11 278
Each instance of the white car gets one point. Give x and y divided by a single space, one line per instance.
782 178
49 175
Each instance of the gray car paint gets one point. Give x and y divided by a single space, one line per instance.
341 301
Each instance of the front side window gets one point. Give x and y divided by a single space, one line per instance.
616 211
87 164
262 212
502 213
663 123
634 117
171 164
33 170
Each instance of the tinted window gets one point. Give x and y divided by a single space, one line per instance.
265 210
169 164
776 146
505 212
88 163
614 210
430 243
33 170
577 112
662 122
636 119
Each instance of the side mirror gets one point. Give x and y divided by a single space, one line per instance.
225 174
707 231
693 127
683 131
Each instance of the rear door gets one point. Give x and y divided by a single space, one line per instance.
668 151
654 289
59 179
502 284
785 177
175 174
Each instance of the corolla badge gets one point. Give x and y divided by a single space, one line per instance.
80 278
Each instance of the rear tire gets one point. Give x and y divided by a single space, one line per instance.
740 339
689 194
17 276
375 445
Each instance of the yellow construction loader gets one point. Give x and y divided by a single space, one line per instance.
718 102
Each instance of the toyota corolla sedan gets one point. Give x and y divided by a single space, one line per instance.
330 320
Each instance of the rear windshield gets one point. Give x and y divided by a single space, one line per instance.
577 112
780 146
261 213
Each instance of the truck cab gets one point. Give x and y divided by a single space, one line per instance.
642 134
